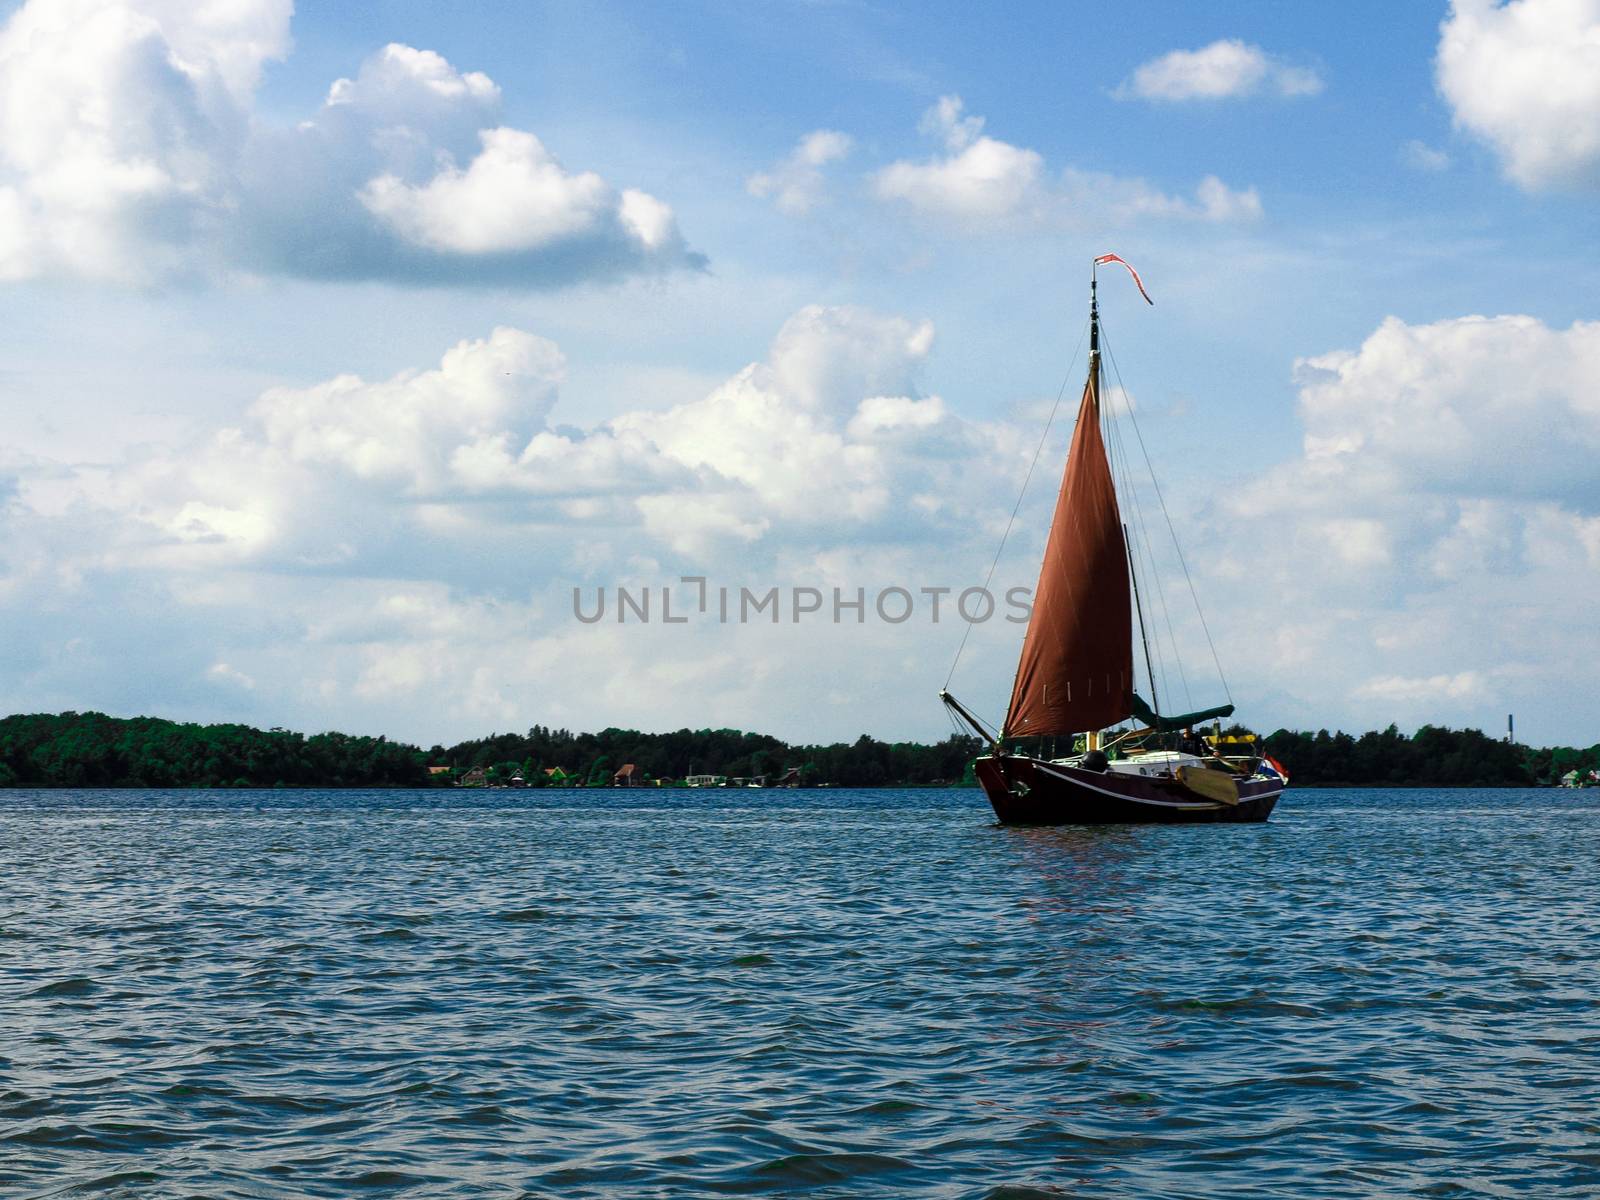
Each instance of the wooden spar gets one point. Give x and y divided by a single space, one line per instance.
960 710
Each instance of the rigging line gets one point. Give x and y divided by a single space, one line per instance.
1183 562
1172 643
1138 607
1162 604
1134 541
1148 548
1144 562
1117 456
1147 566
1147 559
1172 637
1148 556
1043 437
951 717
1161 588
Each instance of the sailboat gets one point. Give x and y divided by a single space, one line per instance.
1075 679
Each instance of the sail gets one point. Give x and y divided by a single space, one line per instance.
1076 671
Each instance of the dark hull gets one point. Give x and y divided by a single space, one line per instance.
1029 791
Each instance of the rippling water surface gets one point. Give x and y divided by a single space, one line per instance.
250 994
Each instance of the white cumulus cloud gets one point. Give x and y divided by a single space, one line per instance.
978 178
796 183
981 181
406 428
399 553
1525 77
1464 406
1225 69
122 124
512 196
1431 552
829 431
132 151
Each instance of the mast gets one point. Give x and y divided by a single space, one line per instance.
1094 323
1133 574
1076 668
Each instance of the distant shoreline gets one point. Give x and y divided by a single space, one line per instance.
93 750
868 787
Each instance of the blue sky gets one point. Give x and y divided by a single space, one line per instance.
786 290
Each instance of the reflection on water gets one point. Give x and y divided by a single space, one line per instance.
873 994
1079 866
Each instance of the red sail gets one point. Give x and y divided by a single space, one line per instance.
1076 671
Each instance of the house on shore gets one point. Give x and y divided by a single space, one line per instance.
705 780
476 777
628 775
557 777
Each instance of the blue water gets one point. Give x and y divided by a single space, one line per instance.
263 994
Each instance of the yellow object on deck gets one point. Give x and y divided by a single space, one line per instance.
1213 785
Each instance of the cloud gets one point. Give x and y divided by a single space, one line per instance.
411 176
1430 553
122 124
1462 407
1110 198
979 178
1421 157
1525 77
223 673
983 182
796 183
406 429
1226 69
513 196
132 152
828 432
826 359
399 553
777 447
1464 685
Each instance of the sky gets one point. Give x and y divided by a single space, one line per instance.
350 351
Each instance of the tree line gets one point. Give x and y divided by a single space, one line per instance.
94 750
593 758
1432 757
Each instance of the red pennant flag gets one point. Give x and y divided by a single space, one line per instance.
1139 283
